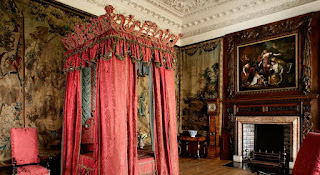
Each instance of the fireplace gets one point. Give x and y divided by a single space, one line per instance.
269 137
268 133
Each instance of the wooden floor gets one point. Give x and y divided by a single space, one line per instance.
192 166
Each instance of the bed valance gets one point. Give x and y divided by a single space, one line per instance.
116 35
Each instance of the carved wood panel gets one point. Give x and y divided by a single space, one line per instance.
292 102
300 25
306 124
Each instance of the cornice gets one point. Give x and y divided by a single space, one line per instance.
180 8
166 7
246 17
202 17
193 9
140 11
223 14
208 8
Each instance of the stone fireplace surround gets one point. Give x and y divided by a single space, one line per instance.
294 121
249 140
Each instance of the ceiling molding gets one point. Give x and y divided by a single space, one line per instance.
242 18
194 18
208 8
180 8
225 14
138 9
246 24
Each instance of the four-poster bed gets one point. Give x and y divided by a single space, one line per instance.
104 140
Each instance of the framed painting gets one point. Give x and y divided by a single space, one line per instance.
268 65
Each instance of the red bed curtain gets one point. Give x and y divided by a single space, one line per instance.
132 113
115 140
72 122
172 120
117 111
166 147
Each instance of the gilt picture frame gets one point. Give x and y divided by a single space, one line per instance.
268 65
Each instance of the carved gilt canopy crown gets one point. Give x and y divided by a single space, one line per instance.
118 22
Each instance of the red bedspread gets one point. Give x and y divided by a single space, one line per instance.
146 163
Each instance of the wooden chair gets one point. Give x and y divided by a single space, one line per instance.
25 152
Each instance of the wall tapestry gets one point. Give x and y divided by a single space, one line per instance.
199 82
45 82
177 74
143 97
41 97
11 74
268 64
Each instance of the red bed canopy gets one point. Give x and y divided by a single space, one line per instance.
123 35
114 43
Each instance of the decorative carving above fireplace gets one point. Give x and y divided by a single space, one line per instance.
300 25
301 101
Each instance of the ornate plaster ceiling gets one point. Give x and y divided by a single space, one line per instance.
182 6
200 20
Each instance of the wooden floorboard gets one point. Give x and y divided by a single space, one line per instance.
192 166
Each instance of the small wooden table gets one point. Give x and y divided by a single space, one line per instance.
196 144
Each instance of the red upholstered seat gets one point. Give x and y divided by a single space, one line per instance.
25 150
32 170
308 158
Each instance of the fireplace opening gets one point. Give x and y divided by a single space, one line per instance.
269 137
